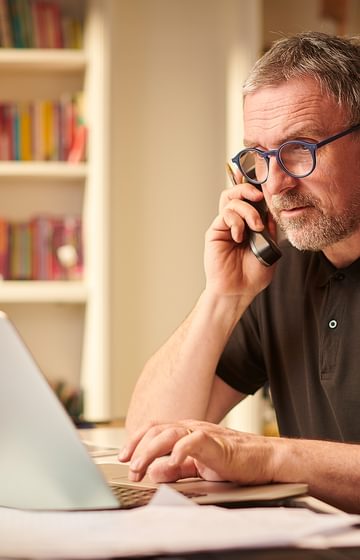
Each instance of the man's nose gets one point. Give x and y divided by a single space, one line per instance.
278 180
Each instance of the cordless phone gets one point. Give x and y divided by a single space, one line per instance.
265 249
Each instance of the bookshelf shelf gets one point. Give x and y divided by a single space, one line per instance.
49 169
42 292
30 60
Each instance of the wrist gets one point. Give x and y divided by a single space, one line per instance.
286 460
226 308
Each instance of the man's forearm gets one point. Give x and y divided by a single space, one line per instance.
177 381
331 469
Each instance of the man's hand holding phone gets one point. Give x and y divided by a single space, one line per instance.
230 263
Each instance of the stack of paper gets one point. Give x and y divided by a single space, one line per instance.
159 529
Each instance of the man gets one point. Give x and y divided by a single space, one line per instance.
293 324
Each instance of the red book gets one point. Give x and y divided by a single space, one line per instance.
6 133
3 134
40 24
78 149
42 232
53 18
6 38
4 249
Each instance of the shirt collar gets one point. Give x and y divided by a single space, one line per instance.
327 271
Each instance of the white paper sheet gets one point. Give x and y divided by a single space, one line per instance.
157 529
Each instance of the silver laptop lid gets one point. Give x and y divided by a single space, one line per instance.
43 463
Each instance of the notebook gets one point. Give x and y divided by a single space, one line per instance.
44 464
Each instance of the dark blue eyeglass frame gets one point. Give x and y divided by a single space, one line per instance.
311 146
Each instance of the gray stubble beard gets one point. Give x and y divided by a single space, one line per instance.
316 230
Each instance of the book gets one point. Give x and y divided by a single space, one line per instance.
38 24
4 249
25 138
6 38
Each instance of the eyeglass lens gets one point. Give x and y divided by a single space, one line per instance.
295 157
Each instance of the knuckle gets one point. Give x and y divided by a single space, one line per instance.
155 430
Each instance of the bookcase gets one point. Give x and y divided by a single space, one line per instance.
65 322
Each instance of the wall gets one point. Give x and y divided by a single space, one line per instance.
279 20
176 117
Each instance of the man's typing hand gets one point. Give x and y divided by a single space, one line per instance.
168 452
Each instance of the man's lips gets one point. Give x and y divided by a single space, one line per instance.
291 212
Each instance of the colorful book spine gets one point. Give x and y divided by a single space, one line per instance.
6 37
38 24
25 139
42 130
15 131
6 152
4 249
44 248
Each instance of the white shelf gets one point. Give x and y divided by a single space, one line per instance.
34 291
48 169
30 60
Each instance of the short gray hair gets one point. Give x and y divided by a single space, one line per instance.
334 62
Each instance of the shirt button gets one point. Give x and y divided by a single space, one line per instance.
332 324
339 276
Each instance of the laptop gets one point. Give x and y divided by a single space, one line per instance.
45 466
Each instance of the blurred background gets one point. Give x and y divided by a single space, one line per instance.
162 85
177 114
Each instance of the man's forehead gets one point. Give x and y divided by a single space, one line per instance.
288 110
272 103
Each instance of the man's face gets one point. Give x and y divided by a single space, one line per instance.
324 208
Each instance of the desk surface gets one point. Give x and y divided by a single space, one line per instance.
106 436
97 534
275 554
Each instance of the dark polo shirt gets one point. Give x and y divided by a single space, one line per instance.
302 335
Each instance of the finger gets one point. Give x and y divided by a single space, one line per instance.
161 471
239 213
176 429
243 191
234 224
150 448
202 447
126 452
141 438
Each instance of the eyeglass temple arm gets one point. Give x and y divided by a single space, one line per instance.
339 135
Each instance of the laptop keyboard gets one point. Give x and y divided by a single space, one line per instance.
136 496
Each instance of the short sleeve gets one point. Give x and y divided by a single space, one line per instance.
242 363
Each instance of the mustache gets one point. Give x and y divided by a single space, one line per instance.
291 199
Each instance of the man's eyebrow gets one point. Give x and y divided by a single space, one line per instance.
294 135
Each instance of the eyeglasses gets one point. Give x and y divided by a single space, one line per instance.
296 157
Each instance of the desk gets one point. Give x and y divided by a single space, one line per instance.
170 528
275 554
104 436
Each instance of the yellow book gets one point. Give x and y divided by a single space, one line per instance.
25 132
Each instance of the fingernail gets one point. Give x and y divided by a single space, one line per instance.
172 462
133 476
135 465
123 454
